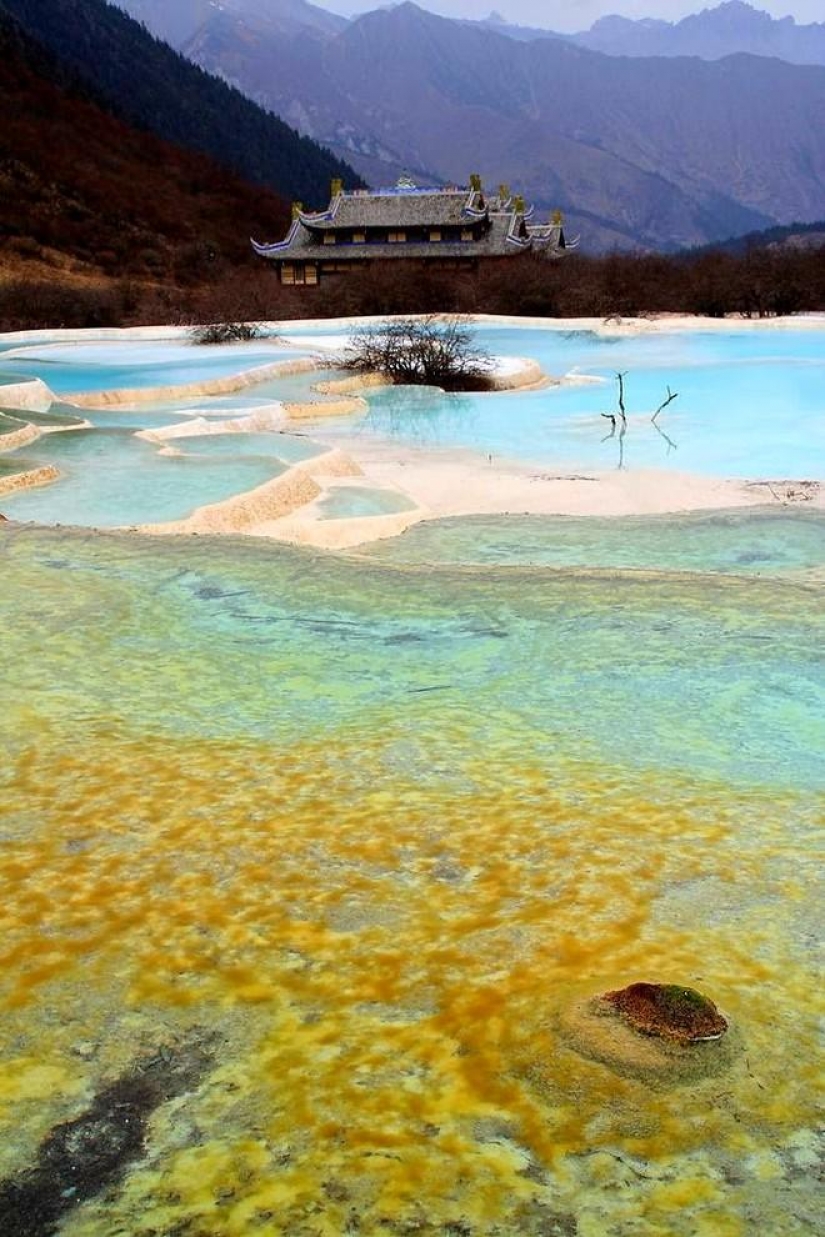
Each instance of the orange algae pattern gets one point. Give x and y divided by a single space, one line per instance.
382 917
384 973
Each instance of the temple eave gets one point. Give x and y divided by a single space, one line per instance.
456 227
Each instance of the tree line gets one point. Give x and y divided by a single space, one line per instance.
759 283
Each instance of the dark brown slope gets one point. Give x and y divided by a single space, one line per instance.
85 194
147 84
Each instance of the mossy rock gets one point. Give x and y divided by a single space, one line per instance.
669 1011
661 1035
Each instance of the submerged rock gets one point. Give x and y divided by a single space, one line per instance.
669 1011
661 1035
81 1158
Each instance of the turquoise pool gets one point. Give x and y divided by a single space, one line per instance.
111 478
751 403
70 368
287 448
758 541
358 501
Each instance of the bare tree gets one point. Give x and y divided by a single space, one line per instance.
614 417
225 332
620 379
431 351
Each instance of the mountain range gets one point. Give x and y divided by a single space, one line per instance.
722 31
649 152
725 30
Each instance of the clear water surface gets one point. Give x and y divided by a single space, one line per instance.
109 478
70 368
354 843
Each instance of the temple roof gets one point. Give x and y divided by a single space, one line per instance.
501 226
404 208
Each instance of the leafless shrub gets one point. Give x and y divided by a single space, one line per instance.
431 351
225 332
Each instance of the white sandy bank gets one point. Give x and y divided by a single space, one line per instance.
457 482
29 393
441 483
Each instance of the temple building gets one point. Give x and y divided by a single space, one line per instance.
449 228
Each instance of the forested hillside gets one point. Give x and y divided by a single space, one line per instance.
800 236
146 83
95 214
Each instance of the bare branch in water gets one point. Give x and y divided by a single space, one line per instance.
671 396
621 377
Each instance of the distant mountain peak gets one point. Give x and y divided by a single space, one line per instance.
738 6
615 21
732 10
720 30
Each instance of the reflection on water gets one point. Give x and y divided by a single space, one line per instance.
355 838
750 404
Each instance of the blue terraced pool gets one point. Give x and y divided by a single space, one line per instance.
110 478
358 501
750 404
287 448
71 368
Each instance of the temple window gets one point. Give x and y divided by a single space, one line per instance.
435 234
396 238
466 234
298 273
358 238
329 238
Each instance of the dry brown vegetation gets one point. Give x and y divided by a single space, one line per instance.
102 223
763 283
431 351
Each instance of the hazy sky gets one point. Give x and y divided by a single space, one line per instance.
567 15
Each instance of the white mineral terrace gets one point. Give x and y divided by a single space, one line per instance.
436 482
